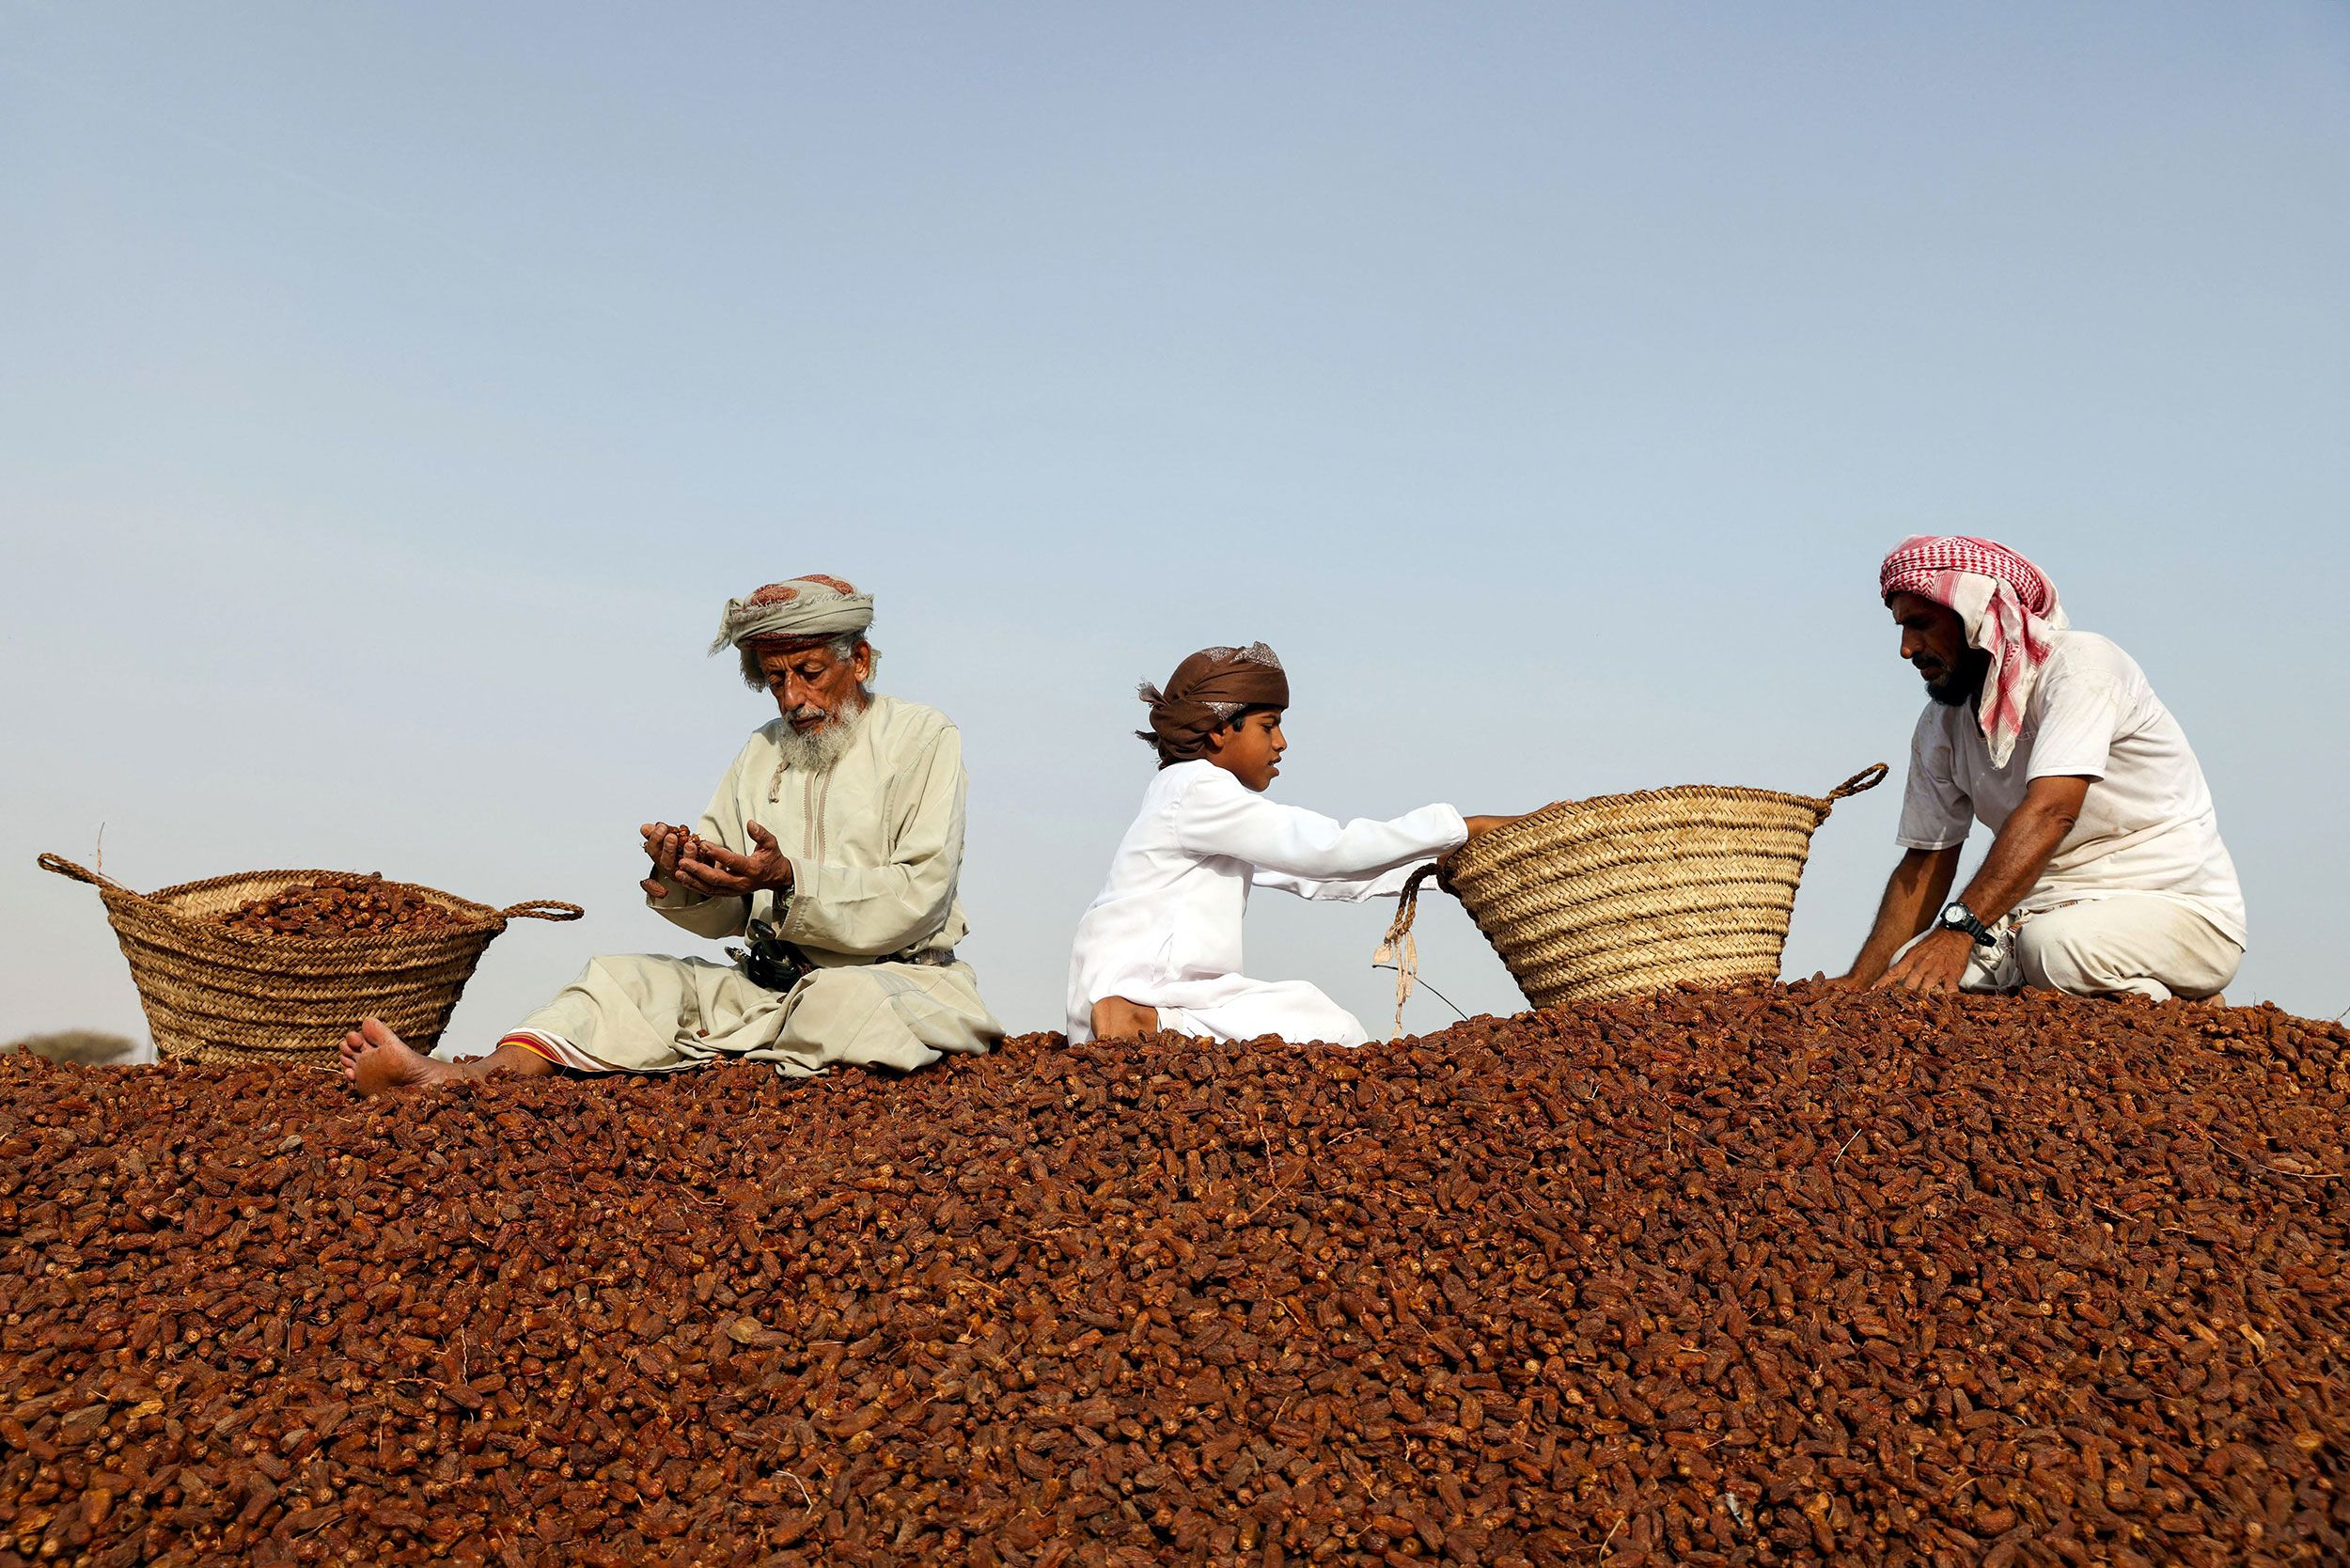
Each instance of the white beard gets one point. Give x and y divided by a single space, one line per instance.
818 750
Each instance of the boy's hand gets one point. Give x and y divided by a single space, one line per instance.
1480 826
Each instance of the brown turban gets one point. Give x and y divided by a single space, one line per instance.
1205 691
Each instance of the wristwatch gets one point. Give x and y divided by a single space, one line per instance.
1957 916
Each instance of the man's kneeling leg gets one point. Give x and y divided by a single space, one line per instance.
2131 943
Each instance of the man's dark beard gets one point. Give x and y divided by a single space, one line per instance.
1963 684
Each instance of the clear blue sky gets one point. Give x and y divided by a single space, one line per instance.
390 395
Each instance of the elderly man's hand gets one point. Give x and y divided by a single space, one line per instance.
713 869
1937 963
664 844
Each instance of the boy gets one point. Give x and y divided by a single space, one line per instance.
1160 947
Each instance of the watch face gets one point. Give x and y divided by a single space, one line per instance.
1954 915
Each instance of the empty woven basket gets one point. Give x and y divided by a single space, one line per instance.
1619 894
214 994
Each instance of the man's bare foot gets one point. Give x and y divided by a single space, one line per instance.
1116 1018
377 1061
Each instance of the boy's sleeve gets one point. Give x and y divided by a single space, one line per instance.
1386 884
1218 816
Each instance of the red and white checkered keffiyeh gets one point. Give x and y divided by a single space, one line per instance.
2007 605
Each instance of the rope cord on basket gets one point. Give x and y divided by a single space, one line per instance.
1425 985
63 867
1401 949
542 909
1867 778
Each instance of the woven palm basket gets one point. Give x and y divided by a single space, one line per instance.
1619 894
221 995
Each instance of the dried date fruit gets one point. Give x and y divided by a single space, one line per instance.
341 906
1777 1276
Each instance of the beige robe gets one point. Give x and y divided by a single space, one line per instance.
875 846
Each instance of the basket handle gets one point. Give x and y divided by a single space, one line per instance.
1867 778
63 867
1399 947
542 909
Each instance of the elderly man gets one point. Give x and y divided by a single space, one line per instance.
831 846
2106 874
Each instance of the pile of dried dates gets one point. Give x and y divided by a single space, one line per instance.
1770 1275
342 906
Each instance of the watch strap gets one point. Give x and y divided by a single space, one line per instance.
1969 922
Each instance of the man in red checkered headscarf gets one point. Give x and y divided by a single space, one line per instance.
832 850
2008 608
2105 872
